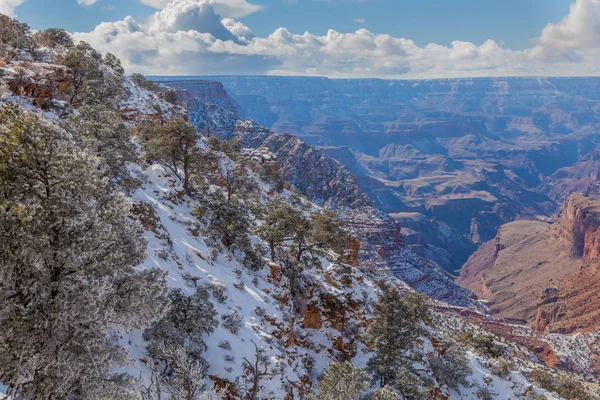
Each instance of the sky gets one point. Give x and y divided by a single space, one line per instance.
335 38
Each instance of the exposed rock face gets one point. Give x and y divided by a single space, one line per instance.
41 82
545 275
208 92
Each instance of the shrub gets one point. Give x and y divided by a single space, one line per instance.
232 322
452 369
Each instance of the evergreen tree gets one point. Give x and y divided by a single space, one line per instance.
188 320
396 327
226 220
324 231
92 83
66 265
174 145
281 224
112 62
383 393
105 132
343 381
452 368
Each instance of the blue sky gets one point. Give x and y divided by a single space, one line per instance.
440 21
336 38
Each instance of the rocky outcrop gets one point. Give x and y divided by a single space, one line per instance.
40 82
547 276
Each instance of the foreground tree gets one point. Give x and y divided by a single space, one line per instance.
343 381
398 323
174 145
66 265
92 83
108 136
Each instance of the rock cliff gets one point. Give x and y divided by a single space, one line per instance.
545 275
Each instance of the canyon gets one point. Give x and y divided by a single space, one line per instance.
474 171
461 156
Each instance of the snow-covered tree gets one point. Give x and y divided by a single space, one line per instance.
397 324
343 381
66 264
452 368
323 230
188 320
281 224
174 144
92 82
226 220
105 132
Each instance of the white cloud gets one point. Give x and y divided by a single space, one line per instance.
87 2
360 20
8 6
578 30
225 8
188 38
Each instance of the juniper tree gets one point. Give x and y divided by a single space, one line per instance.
14 35
92 83
174 145
105 132
396 326
226 220
53 37
383 393
66 265
323 231
452 368
281 224
342 381
188 321
111 61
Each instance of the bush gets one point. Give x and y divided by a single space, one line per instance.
232 322
485 394
53 38
502 369
452 369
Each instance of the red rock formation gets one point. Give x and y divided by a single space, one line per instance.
545 275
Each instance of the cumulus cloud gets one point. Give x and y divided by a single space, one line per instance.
225 8
87 2
8 6
189 37
578 30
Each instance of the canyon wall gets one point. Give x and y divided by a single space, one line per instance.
547 276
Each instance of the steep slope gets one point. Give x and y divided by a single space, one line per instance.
329 183
541 274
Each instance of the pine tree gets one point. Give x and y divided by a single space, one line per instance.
393 333
343 381
66 261
92 83
226 220
325 231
